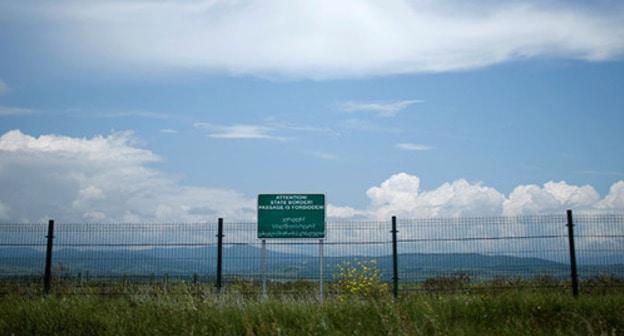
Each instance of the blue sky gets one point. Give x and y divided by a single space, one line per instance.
496 95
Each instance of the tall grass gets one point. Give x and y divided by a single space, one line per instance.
514 312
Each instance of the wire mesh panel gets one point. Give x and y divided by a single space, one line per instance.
22 250
22 257
493 251
138 251
599 249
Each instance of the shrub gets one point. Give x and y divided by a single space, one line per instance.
359 279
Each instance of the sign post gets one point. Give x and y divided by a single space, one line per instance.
264 269
321 280
291 216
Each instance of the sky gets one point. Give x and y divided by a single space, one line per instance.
186 110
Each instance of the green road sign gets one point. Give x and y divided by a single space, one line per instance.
291 216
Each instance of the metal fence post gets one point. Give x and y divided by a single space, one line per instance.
395 262
47 277
573 270
219 254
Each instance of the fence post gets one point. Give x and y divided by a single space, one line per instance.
395 263
218 284
573 270
47 277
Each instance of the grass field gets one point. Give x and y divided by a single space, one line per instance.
511 312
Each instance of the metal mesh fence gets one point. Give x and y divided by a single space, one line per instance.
433 253
599 250
482 249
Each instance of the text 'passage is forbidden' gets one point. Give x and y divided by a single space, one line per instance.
291 216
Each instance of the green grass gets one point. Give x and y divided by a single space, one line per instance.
513 312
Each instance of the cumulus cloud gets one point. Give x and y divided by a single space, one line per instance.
615 198
382 109
455 210
103 178
324 39
412 147
553 197
400 195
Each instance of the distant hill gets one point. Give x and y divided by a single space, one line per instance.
245 261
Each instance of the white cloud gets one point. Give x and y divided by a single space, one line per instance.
382 109
400 195
269 130
116 148
168 131
13 111
551 198
412 147
326 38
103 178
615 198
239 131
